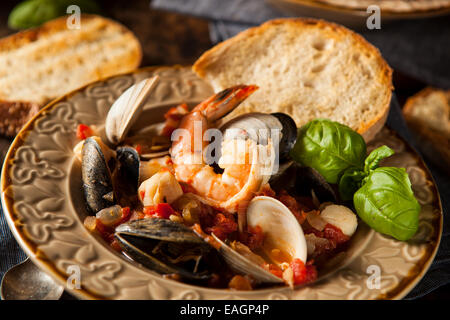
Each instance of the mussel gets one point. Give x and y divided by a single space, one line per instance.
284 240
128 168
96 175
167 247
303 181
280 127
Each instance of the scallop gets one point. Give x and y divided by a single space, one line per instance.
340 217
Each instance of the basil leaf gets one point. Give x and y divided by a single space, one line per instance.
33 13
330 148
350 182
374 158
387 204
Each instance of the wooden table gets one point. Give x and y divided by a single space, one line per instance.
168 39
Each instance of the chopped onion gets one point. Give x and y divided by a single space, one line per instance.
315 220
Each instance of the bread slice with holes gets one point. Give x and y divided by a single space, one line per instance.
427 114
40 64
306 68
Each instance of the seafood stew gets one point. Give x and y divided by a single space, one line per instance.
234 208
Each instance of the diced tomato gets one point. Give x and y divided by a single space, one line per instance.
138 149
149 210
84 131
299 269
173 117
223 226
273 269
164 210
104 231
115 245
142 194
303 273
293 205
126 214
161 210
252 238
311 272
335 234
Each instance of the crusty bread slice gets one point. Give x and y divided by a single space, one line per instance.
306 68
38 65
392 6
427 114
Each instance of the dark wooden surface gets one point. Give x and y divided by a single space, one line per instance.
168 39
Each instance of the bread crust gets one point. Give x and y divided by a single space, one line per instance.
435 144
391 6
16 113
367 130
24 37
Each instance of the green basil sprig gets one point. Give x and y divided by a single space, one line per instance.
352 179
32 13
387 204
330 148
382 196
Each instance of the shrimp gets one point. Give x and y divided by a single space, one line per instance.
242 176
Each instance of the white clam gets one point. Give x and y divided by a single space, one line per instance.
241 264
283 239
281 229
126 109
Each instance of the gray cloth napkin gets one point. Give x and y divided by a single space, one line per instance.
419 48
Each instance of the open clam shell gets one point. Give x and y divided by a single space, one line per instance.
241 264
126 109
282 234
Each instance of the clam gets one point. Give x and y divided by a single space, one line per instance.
96 175
280 127
166 247
284 240
126 109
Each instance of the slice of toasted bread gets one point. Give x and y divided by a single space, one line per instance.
40 64
306 68
391 6
427 114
